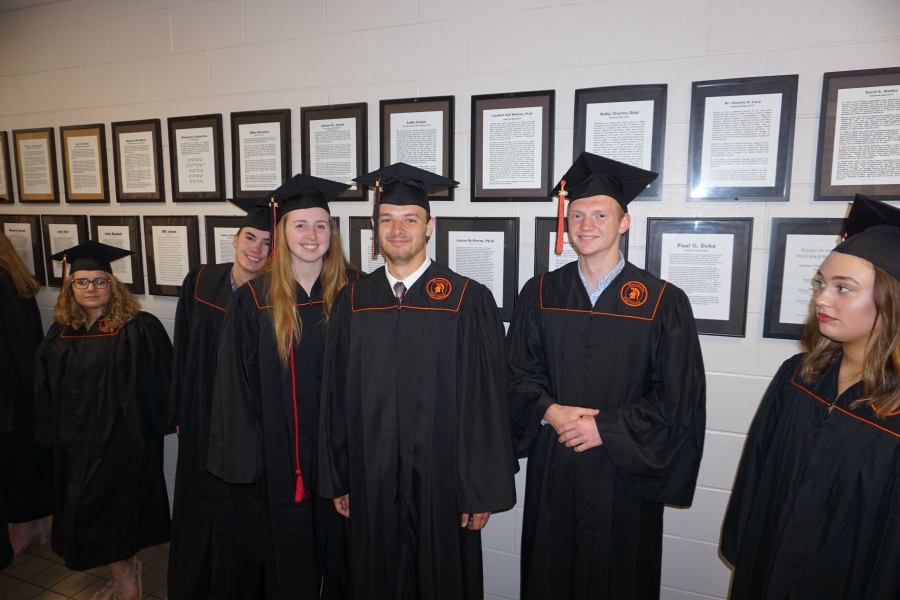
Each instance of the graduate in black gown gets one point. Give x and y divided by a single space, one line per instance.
26 488
216 548
414 444
265 412
815 510
102 383
607 391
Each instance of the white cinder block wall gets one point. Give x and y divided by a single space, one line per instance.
89 61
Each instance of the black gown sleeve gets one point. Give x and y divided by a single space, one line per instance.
46 415
753 460
146 378
334 480
235 437
20 334
529 386
656 440
884 582
183 317
485 462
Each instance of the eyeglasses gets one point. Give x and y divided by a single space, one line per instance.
99 283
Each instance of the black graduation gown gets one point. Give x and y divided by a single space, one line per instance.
252 439
593 520
26 488
815 511
415 428
102 403
216 545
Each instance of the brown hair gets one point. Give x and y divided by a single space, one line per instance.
121 308
26 285
881 371
281 287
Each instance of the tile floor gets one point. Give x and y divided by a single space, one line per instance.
39 574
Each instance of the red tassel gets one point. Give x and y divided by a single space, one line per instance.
299 491
274 237
375 217
560 217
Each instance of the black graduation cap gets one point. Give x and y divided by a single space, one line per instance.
592 175
90 256
872 232
402 185
300 191
258 215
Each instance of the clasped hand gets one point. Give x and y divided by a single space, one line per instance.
575 426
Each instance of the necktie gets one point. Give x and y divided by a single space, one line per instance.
399 290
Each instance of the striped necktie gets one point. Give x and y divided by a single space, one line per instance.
399 290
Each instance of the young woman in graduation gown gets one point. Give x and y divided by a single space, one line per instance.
815 511
265 410
102 381
26 490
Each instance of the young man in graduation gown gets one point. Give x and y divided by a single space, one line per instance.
234 550
414 444
607 394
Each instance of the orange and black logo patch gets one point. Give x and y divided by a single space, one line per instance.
438 288
634 293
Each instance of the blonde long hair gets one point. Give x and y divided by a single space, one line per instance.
121 308
881 371
281 288
26 285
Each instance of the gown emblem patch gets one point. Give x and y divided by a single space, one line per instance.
634 293
438 288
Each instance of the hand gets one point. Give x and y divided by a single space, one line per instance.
475 521
342 505
177 430
580 434
558 415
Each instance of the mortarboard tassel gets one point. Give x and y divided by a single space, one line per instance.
299 491
274 235
375 217
65 264
560 217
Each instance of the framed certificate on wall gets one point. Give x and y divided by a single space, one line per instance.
6 186
84 163
61 232
626 123
512 147
197 159
335 145
709 259
24 232
260 151
173 249
137 161
35 151
125 233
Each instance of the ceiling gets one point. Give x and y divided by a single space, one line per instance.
8 5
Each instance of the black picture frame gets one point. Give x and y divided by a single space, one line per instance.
774 323
656 93
74 224
98 132
7 196
742 229
358 111
42 133
180 191
282 117
786 85
446 105
132 223
37 255
139 132
832 84
218 222
357 251
546 100
164 288
509 227
544 228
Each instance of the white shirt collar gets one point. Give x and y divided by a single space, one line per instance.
411 279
